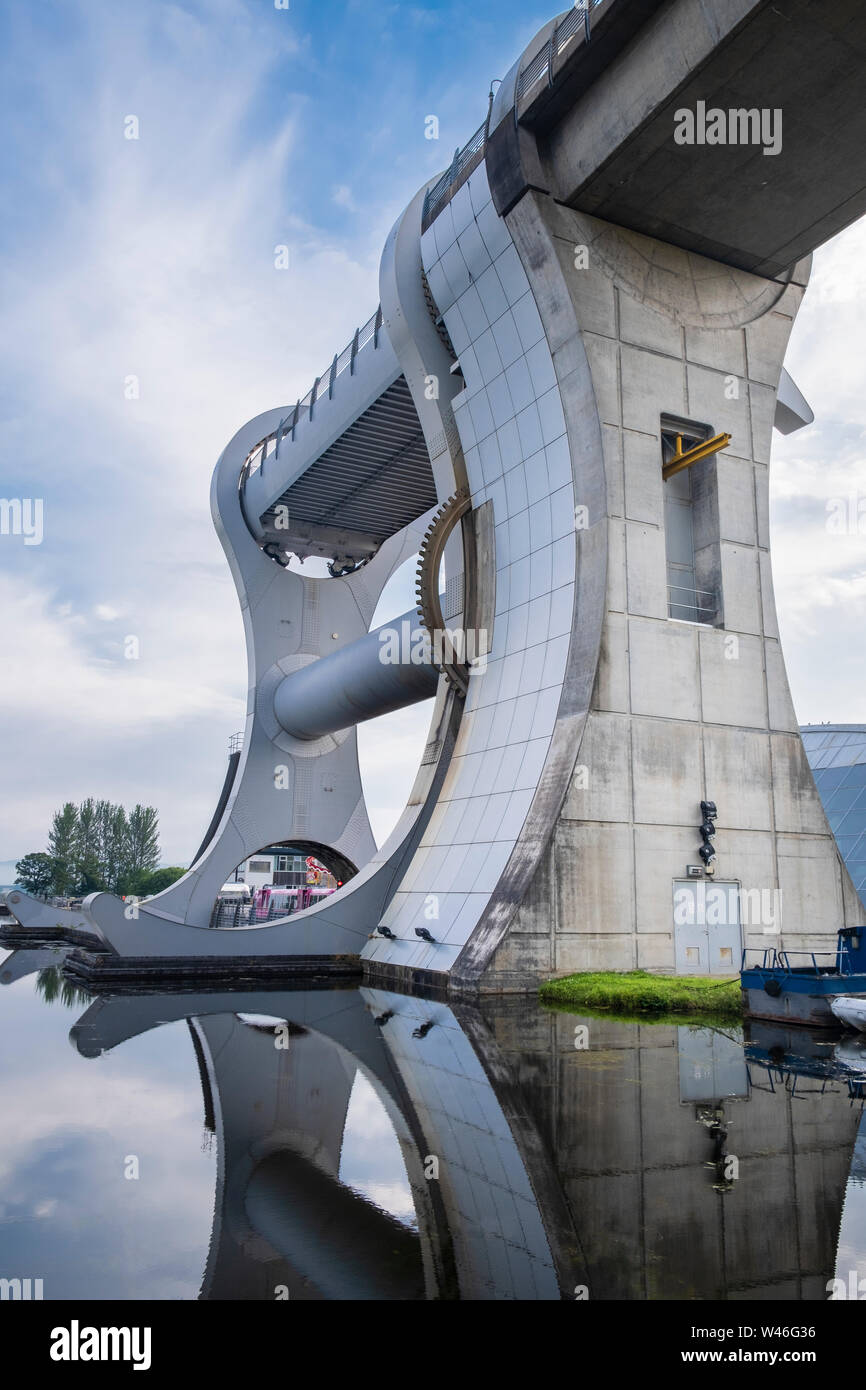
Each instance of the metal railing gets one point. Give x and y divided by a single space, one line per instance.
773 958
783 961
767 957
343 361
689 608
436 196
575 24
236 743
231 914
226 915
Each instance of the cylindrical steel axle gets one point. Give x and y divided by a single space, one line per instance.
388 669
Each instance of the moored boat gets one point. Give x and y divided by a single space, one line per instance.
800 986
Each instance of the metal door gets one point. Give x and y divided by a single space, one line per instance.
708 938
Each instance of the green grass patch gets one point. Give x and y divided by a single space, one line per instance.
639 996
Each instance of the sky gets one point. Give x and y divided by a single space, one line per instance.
145 321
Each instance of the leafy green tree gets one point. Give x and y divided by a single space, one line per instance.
113 843
96 847
35 873
143 833
90 879
119 841
103 816
148 884
87 866
62 839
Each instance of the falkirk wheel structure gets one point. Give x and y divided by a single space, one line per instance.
564 405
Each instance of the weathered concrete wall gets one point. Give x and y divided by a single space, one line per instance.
680 711
607 146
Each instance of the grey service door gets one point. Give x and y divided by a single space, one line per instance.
708 937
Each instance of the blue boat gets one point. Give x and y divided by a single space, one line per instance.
798 986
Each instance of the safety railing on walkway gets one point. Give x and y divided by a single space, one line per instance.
575 25
435 196
322 386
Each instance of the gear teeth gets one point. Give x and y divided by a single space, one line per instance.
445 518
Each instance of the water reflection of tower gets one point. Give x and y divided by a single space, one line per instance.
715 1121
620 1117
713 1075
850 1262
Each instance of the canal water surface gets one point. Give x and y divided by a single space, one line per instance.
361 1144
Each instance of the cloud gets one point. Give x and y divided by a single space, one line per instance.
342 197
68 677
818 492
389 753
82 720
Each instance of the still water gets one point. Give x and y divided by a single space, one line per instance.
360 1144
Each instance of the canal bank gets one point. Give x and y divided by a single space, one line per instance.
637 994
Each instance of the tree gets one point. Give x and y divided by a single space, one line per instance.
143 836
90 880
87 866
113 853
62 839
35 873
148 884
96 847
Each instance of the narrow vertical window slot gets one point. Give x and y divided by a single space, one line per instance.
693 554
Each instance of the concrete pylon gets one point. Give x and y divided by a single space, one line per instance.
664 713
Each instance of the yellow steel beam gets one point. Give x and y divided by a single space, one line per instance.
679 460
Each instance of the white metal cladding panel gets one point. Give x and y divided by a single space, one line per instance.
513 433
